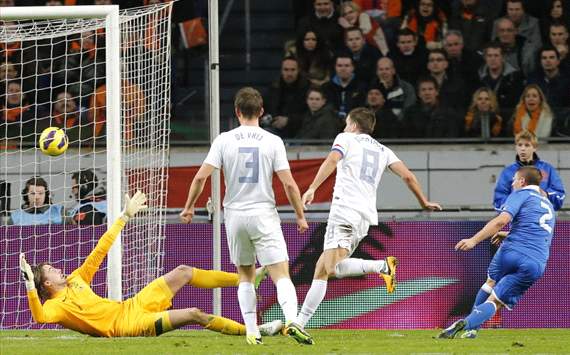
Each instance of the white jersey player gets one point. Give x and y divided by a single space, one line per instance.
249 156
360 161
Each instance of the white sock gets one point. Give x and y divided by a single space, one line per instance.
248 307
313 299
287 298
358 267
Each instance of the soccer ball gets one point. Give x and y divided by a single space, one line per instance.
53 141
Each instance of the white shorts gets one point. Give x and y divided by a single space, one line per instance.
252 235
345 229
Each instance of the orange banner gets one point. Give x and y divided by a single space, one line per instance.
179 179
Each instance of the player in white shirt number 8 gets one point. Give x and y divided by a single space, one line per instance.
360 161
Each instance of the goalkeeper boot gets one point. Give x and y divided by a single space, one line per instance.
253 339
297 332
451 332
260 275
470 334
271 328
390 275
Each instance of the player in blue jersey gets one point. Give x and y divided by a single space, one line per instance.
521 259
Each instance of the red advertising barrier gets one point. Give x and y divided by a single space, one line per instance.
179 179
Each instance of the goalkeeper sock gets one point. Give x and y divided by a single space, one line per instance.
224 325
213 278
482 295
480 315
358 267
313 299
248 304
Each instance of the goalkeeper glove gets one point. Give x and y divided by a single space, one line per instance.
133 205
27 273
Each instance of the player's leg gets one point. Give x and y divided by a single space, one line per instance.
186 275
482 296
177 318
242 255
271 251
323 270
495 272
248 303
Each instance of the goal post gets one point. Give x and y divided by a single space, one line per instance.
112 67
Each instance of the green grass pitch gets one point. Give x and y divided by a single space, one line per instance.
502 341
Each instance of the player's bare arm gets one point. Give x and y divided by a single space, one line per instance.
325 170
490 229
294 197
411 181
196 189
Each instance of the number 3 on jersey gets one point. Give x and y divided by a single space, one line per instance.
252 163
369 168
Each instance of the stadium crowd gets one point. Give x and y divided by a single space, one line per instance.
427 68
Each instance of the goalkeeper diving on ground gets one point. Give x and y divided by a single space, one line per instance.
70 302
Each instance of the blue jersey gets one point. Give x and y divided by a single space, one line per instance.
532 223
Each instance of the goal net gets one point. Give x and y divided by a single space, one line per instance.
108 86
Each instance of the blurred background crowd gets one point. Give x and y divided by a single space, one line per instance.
428 68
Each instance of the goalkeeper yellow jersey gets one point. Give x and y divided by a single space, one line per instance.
77 307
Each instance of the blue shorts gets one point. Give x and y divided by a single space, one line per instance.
513 274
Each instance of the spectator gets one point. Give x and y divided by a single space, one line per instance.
526 145
409 58
470 19
91 207
387 123
66 111
525 25
517 51
533 113
559 40
286 100
463 63
428 22
398 94
428 118
17 120
451 88
314 57
482 119
504 79
325 21
38 207
364 57
8 71
555 13
344 92
319 121
554 84
82 65
351 15
133 108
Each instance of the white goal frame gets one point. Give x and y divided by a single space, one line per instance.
113 111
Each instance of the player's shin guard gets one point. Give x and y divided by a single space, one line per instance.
224 325
358 267
314 297
213 278
480 315
248 306
287 298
